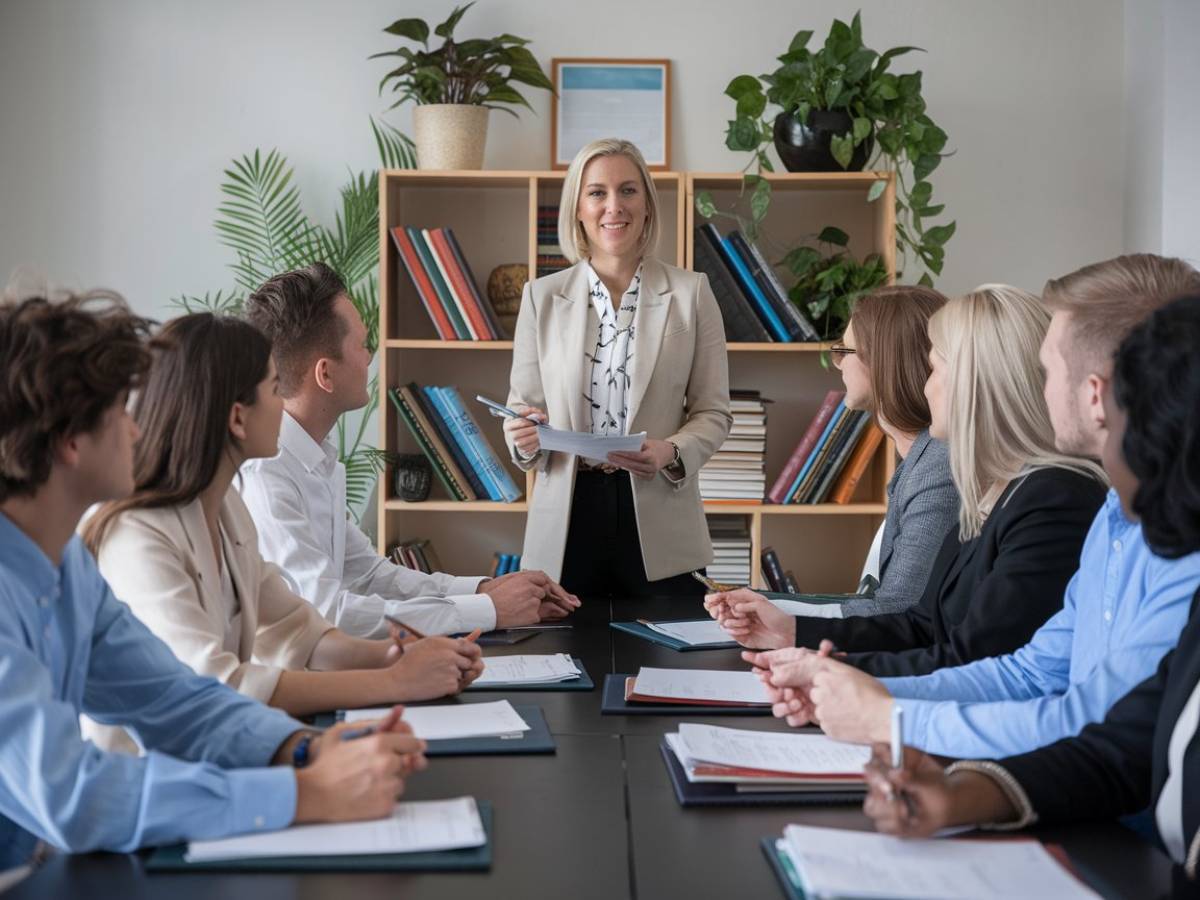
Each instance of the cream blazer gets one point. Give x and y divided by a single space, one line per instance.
160 563
679 391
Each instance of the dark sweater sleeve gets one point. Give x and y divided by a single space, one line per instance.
894 631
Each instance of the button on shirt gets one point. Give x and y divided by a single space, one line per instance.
298 502
1122 611
68 646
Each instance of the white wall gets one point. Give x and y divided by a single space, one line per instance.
118 117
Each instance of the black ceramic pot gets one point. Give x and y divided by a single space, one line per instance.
413 477
804 146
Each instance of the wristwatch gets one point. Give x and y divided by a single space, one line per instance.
300 751
677 462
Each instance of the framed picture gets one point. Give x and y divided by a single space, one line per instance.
602 98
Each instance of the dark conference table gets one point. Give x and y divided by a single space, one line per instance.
598 819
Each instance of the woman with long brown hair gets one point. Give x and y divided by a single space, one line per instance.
182 551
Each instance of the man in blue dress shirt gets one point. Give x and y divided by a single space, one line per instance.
68 646
1122 611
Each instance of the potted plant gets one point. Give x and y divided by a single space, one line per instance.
455 85
839 107
829 283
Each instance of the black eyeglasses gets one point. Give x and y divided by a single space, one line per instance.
838 352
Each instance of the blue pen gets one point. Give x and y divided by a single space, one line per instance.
354 733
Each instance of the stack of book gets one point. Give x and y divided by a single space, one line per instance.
416 554
503 563
730 537
736 473
753 303
446 285
550 257
831 457
449 437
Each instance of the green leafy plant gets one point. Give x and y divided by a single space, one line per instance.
261 220
829 283
479 72
885 108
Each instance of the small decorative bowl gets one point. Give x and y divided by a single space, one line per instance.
413 477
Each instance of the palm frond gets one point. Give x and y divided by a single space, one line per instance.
261 218
363 468
221 303
396 149
365 298
351 247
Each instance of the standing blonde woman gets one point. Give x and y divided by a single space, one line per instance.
618 344
1025 507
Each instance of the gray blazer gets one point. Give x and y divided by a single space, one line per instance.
922 508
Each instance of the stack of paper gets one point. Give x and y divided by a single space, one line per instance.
833 862
460 720
736 472
703 687
766 760
528 669
413 827
697 633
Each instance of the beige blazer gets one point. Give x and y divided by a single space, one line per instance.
160 562
679 391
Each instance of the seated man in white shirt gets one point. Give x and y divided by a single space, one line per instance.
298 498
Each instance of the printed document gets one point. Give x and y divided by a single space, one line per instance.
593 447
795 754
458 720
701 631
701 685
528 669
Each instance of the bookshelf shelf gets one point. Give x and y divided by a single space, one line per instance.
494 215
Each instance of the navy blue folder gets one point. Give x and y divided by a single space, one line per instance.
536 740
473 859
726 794
582 683
637 629
613 703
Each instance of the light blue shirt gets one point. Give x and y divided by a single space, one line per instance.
1123 610
68 646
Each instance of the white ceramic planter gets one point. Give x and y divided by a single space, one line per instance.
450 135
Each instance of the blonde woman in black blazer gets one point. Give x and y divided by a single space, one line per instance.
651 360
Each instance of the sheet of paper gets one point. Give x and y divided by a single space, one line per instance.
701 631
799 754
593 447
811 610
413 827
528 669
701 684
834 862
459 720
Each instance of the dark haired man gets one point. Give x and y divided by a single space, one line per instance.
298 498
1122 610
68 646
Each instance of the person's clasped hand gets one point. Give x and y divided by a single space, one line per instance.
528 597
751 619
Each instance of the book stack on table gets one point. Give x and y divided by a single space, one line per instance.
736 473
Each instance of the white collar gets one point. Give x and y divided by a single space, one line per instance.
300 444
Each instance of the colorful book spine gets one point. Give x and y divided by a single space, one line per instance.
838 457
741 324
420 397
436 396
441 280
439 468
439 286
429 298
428 421
461 260
762 306
458 282
779 490
772 570
491 463
837 437
774 287
812 457
844 488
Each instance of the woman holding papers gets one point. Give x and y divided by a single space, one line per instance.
182 551
1025 508
618 344
1144 753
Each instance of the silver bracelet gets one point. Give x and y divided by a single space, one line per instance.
1012 790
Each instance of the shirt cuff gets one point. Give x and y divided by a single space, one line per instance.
270 730
261 799
464 584
475 611
1008 784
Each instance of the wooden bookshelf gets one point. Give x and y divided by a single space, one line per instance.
494 216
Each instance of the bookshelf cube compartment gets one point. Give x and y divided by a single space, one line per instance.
826 553
462 550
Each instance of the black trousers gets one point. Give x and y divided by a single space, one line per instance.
604 554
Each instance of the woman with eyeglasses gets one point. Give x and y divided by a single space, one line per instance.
883 358
1024 507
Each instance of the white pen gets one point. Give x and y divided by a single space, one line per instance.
897 736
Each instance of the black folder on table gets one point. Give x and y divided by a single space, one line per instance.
537 739
471 859
613 703
582 683
637 629
724 793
